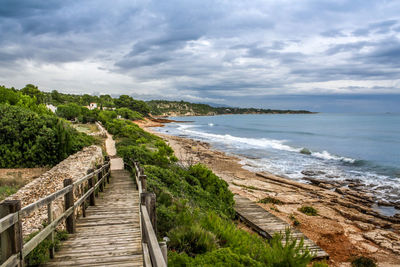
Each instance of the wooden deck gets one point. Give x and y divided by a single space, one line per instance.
110 233
267 224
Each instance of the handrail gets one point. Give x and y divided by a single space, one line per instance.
151 247
10 224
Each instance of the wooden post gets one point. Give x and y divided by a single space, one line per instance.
49 220
11 239
164 250
142 179
101 185
149 199
68 203
108 172
91 183
103 173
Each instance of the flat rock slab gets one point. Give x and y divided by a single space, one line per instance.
266 224
110 233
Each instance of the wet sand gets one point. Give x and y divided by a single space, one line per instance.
346 226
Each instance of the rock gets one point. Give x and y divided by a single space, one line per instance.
314 181
312 173
326 186
305 151
332 176
384 239
364 226
340 190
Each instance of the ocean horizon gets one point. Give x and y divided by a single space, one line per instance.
355 148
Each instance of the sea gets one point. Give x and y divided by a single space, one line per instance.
361 148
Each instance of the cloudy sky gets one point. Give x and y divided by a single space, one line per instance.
320 55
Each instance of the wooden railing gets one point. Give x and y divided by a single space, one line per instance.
13 249
154 253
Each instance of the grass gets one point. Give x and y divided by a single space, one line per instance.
86 128
41 254
307 210
275 209
271 200
9 186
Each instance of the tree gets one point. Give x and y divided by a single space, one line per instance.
56 97
33 92
125 101
69 111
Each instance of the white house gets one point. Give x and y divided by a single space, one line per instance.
92 106
51 107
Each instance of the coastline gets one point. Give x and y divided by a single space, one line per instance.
346 226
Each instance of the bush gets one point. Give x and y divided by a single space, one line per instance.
28 139
270 200
192 239
362 261
41 254
294 220
128 114
310 211
320 264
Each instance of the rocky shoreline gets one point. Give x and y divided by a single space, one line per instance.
347 224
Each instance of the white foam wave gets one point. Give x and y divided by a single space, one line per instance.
211 124
326 155
260 143
241 141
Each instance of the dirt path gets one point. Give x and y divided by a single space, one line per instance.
116 162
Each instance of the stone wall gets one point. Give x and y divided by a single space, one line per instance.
74 167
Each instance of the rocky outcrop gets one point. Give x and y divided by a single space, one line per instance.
74 167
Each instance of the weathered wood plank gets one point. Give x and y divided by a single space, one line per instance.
110 233
266 224
152 243
7 221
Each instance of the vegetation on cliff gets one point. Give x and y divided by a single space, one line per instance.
31 135
182 108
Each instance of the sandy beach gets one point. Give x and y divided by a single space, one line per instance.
346 226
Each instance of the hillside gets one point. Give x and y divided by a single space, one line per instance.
182 108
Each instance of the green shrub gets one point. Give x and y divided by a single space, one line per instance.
218 257
320 264
191 239
270 200
41 254
28 139
362 261
128 114
294 219
310 211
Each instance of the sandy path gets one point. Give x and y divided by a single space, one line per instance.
116 163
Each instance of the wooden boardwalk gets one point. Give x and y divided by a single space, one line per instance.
267 224
110 233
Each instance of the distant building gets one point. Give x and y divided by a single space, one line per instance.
51 107
92 106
